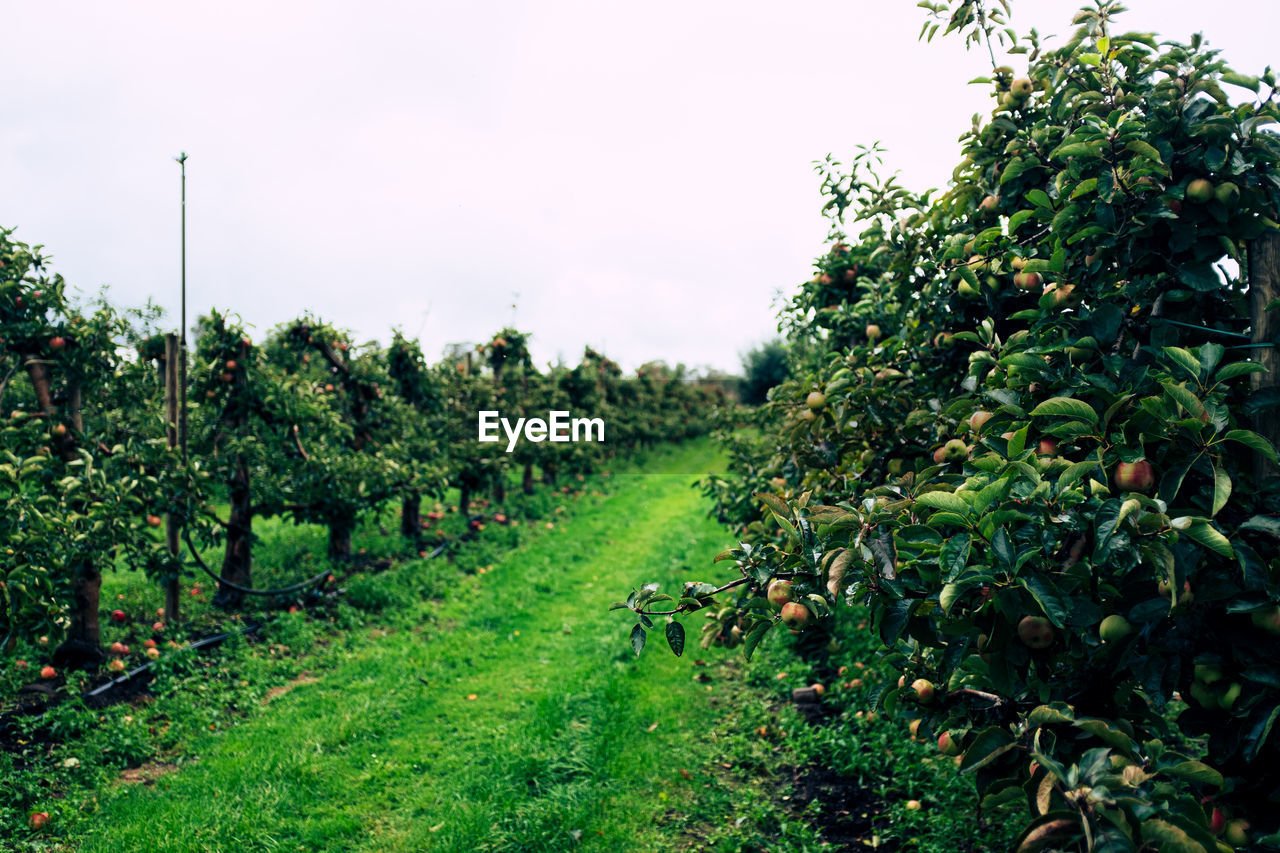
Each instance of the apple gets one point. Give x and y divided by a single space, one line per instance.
1200 190
873 332
1064 295
1227 194
1208 673
116 665
59 430
795 615
939 455
1134 476
153 520
231 364
1114 628
815 400
1047 447
117 616
912 805
57 342
989 203
328 387
817 688
914 727
48 672
1035 632
1229 696
148 644
1021 89
42 640
153 653
978 419
1267 619
924 689
1027 280
118 648
1217 821
157 626
947 745
779 592
37 820
1236 832
955 450
20 664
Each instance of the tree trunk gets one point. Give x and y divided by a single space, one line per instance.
1264 288
549 475
411 517
500 489
526 482
464 499
237 561
83 644
340 531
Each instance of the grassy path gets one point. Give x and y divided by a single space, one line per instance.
514 717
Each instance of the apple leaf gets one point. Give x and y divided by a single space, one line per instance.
1253 441
754 636
638 637
1210 537
675 637
1221 489
947 501
989 745
1066 407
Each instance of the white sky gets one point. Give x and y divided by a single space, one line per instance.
640 174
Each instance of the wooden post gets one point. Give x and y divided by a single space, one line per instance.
1264 288
172 413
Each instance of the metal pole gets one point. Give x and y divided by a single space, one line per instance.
182 378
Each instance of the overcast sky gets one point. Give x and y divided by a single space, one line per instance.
632 176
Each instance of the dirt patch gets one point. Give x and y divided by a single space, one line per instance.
147 774
846 814
301 679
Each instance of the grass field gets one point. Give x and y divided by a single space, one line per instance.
493 703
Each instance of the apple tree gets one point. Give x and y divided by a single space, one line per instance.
1022 434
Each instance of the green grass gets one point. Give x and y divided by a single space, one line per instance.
570 740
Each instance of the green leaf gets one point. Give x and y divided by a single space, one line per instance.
754 636
1184 397
954 556
637 639
1084 187
1066 407
1253 441
1210 537
1143 149
1194 771
1167 838
1185 360
1221 489
675 638
1044 592
1238 368
1018 443
1039 198
948 501
989 745
1074 472
619 605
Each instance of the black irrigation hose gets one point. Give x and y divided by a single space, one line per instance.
199 644
186 536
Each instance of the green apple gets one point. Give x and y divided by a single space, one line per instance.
1114 628
1200 190
1036 632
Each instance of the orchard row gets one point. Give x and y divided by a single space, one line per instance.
1030 438
305 425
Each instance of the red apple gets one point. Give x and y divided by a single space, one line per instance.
978 419
57 342
779 592
116 665
795 615
1035 632
1047 447
924 689
37 820
947 745
1217 821
157 626
20 664
1134 476
117 616
153 520
48 672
